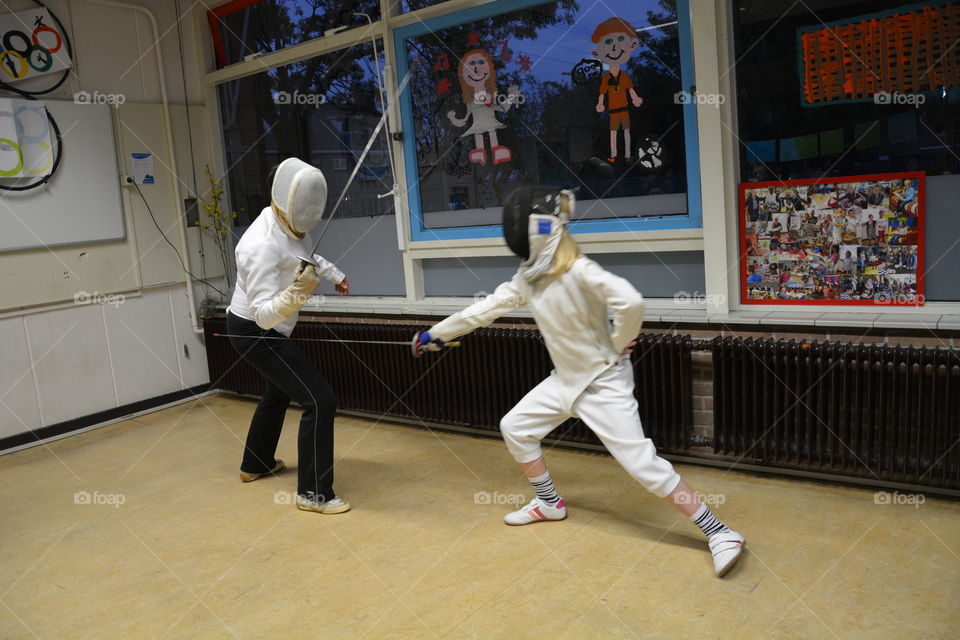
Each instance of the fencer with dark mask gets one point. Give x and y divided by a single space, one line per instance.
570 297
272 285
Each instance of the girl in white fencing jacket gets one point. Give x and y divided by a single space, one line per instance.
271 288
570 297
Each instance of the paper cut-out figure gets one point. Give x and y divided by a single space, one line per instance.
616 41
478 85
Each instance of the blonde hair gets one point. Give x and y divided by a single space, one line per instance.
567 250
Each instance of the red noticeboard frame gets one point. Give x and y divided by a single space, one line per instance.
213 17
840 182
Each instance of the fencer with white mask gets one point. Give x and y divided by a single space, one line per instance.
272 286
570 297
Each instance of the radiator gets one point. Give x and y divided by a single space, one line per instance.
880 412
470 386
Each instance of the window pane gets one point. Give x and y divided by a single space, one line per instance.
532 116
271 25
830 88
413 5
322 110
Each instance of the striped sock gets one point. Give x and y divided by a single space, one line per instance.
708 522
543 485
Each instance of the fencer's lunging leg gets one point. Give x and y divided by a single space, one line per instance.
536 415
610 409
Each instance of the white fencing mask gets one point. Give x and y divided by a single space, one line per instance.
299 195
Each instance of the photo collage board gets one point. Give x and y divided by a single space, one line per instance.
848 240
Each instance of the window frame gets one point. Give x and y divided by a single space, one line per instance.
214 16
419 233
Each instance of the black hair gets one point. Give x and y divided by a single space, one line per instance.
270 176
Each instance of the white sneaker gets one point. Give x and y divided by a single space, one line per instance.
726 549
334 505
535 511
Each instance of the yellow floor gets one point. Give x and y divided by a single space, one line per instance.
193 553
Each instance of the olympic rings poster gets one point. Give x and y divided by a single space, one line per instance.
26 146
32 45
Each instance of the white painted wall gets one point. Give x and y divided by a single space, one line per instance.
66 361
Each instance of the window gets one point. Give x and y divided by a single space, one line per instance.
414 5
533 118
832 88
829 88
246 27
322 110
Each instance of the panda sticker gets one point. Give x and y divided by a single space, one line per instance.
650 153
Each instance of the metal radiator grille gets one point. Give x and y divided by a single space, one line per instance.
472 386
874 411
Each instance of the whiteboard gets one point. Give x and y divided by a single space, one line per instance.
81 203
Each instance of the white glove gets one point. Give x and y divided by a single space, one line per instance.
289 301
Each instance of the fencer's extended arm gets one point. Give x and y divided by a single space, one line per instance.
621 298
507 297
328 270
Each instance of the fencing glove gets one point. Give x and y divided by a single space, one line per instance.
289 301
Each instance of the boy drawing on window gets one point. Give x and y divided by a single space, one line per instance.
616 41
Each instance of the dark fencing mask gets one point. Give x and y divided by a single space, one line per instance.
530 214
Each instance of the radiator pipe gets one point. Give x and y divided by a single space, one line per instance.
177 197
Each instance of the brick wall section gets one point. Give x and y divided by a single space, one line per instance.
702 394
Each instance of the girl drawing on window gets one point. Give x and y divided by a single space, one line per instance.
478 85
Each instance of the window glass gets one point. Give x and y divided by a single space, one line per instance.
413 5
515 99
246 27
834 88
322 110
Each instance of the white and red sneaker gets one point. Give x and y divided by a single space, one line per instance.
478 156
536 511
726 549
501 154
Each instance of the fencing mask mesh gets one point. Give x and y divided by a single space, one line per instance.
519 205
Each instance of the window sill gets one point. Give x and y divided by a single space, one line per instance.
619 242
935 316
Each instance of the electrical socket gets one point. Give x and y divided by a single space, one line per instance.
191 211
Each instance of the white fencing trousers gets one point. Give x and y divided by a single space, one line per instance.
609 408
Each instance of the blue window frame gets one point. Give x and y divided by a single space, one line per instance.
688 219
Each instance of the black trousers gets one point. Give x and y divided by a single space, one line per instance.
289 374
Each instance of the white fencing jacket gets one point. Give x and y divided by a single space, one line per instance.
571 312
266 259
